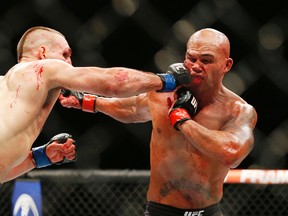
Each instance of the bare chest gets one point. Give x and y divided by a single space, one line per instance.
212 117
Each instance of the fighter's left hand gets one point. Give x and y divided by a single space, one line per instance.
60 149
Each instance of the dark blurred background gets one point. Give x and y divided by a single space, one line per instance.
150 35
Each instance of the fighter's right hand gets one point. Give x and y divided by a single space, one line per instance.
78 100
176 75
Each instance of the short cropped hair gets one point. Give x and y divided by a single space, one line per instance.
22 40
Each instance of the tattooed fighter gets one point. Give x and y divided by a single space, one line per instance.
198 134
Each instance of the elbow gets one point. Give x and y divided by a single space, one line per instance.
111 90
115 90
235 154
122 89
232 160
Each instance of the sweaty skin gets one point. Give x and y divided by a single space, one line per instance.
29 90
188 166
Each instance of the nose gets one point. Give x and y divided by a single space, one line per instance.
197 68
193 66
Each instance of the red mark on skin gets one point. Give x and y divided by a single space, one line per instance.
121 76
14 101
38 71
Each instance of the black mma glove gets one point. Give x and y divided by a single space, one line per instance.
183 108
87 102
39 153
176 75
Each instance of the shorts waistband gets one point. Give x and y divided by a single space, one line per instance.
158 209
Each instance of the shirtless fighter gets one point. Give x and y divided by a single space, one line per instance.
199 133
29 90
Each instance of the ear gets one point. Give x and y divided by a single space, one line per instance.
228 66
42 52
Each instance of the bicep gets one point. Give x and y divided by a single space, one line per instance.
63 75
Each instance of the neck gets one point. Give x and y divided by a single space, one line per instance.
208 96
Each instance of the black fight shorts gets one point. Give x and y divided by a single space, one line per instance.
156 209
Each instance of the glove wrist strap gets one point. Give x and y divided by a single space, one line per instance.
89 103
40 157
168 81
177 116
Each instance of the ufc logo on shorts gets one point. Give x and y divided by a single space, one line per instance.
194 213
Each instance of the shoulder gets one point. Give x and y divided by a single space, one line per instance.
238 103
48 69
51 64
45 64
241 109
242 106
42 72
243 112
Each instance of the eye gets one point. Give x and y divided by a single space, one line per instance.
191 59
206 61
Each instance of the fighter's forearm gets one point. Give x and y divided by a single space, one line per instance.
126 110
130 82
221 145
117 82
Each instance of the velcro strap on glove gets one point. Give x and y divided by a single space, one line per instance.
40 156
178 115
168 82
89 103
